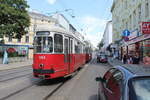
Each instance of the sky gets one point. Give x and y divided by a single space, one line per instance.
90 18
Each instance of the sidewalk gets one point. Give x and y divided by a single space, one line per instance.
15 65
115 62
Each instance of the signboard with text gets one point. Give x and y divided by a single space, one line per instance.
145 27
133 34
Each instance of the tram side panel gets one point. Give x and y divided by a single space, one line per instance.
79 60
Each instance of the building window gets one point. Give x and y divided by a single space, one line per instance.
130 23
134 19
139 11
27 39
10 39
19 40
146 10
125 4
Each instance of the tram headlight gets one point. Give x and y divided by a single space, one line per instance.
41 66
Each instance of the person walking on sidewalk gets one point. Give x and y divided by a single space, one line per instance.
125 59
146 59
136 58
130 59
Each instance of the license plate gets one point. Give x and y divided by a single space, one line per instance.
42 76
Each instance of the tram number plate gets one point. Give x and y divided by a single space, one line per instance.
42 76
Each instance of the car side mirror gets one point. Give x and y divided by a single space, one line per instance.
99 79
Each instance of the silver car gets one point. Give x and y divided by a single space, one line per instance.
125 83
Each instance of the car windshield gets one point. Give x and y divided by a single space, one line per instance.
103 56
141 87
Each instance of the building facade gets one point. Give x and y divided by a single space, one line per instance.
128 15
107 36
26 41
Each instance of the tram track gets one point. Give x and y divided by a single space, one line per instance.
58 87
54 90
15 77
14 93
6 70
48 97
54 87
34 85
14 72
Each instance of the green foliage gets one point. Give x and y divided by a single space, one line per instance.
100 44
14 18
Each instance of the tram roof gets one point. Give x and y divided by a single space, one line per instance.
58 29
51 28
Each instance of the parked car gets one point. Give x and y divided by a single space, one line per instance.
101 57
125 83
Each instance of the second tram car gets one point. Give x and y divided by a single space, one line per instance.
57 53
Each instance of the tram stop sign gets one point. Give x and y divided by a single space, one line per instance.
126 33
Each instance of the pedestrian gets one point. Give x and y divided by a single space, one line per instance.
146 59
125 59
136 58
130 60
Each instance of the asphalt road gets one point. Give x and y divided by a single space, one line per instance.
83 86
19 84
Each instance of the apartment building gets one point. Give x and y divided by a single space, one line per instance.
129 14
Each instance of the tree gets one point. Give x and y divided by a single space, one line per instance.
100 44
14 18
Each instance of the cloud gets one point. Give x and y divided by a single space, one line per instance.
51 2
94 28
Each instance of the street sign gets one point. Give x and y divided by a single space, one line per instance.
126 33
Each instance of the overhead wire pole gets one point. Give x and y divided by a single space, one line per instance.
63 6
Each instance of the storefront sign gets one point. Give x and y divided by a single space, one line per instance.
140 38
133 35
145 27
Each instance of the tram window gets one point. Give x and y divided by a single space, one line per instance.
71 47
39 46
47 44
50 44
58 43
66 46
43 45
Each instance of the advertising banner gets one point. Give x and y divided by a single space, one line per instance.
14 50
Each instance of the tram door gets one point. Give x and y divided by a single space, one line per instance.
67 52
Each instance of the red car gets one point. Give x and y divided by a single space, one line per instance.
102 58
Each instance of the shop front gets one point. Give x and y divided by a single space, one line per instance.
14 53
140 45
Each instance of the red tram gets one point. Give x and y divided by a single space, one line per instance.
57 53
88 50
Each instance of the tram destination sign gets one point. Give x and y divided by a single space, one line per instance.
43 33
145 27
